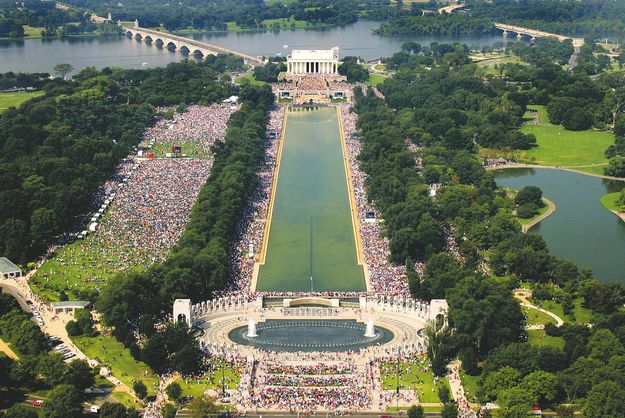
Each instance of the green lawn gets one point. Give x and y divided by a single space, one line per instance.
311 233
375 79
16 99
535 317
486 64
559 147
538 337
110 352
84 264
611 200
197 387
582 315
412 376
249 79
470 384
127 400
283 23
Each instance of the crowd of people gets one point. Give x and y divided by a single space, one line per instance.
310 369
143 208
298 399
195 130
386 277
251 227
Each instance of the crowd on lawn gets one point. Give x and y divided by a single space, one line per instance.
150 202
197 128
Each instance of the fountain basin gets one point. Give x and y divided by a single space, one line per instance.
311 335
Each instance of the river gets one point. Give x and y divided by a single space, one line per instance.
582 229
38 55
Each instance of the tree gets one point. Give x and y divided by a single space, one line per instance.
529 194
173 391
443 394
63 401
450 410
515 403
19 411
605 399
416 412
541 385
63 69
79 374
202 407
140 389
117 410
169 410
500 380
616 167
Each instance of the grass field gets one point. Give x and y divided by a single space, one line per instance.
311 230
375 79
110 352
486 62
538 337
16 99
611 200
412 376
283 23
582 315
535 317
197 387
249 79
559 147
82 265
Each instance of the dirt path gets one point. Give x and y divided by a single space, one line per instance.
4 347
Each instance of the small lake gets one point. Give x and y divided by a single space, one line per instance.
38 55
582 229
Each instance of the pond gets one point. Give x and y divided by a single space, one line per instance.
582 229
358 39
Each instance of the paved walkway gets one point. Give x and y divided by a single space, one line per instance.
522 295
551 208
4 347
457 390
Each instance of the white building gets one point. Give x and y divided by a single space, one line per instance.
305 61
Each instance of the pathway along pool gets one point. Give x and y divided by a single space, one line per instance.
311 232
582 229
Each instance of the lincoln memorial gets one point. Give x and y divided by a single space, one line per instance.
304 61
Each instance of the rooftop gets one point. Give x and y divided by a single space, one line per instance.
315 54
71 304
7 266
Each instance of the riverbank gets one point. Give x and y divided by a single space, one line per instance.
95 34
610 202
573 169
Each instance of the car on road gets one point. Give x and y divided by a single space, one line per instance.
37 403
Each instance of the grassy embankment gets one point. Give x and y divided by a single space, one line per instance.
375 79
411 376
197 387
579 150
15 99
487 62
111 353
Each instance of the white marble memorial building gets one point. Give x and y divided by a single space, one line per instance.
305 61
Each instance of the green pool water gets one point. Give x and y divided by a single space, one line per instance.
311 229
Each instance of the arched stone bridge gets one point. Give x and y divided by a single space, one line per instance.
533 33
182 44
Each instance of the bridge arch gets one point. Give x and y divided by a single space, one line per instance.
171 45
184 50
148 39
198 53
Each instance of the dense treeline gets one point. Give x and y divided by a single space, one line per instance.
572 17
57 149
199 264
434 109
247 14
42 14
436 24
